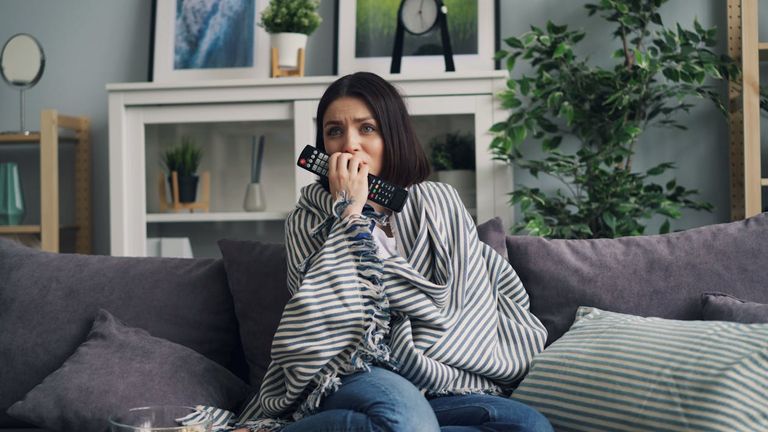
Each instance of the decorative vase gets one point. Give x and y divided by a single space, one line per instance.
288 45
464 182
11 198
187 188
254 199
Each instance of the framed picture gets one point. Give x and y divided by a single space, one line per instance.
366 33
204 39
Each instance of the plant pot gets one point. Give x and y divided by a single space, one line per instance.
288 45
11 198
464 182
187 188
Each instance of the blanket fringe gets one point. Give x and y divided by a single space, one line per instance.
271 425
495 391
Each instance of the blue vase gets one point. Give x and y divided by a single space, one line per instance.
11 199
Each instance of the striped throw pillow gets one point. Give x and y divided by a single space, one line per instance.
617 372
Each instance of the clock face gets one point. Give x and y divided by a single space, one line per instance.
419 16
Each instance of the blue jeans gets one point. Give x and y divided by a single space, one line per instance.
381 400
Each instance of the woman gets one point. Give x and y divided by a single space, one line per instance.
398 321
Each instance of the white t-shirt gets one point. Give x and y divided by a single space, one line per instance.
387 245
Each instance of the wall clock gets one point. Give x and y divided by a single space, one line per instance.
419 17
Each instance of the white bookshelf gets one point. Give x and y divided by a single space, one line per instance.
224 115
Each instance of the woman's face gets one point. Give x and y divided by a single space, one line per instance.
349 126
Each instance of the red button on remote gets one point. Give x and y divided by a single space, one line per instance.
302 162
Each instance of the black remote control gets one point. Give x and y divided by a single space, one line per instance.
390 196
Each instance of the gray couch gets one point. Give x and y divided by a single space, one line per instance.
79 334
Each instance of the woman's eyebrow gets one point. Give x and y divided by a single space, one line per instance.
356 120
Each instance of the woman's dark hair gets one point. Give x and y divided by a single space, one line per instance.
405 162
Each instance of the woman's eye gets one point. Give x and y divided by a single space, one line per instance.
368 129
334 131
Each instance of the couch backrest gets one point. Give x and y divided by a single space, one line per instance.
48 303
657 275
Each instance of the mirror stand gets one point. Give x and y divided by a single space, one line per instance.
22 130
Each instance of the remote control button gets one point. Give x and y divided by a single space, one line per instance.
302 162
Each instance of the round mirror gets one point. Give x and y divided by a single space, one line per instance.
22 61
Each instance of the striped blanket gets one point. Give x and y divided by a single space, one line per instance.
451 315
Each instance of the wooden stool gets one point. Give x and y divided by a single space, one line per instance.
278 72
202 204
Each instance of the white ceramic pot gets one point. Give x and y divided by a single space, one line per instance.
464 182
288 45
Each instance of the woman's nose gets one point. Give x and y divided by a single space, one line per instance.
351 144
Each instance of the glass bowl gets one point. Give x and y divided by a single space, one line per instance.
166 418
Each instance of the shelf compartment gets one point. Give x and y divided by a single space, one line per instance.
20 229
28 229
215 217
33 138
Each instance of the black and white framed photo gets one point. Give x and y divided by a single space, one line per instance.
209 39
366 34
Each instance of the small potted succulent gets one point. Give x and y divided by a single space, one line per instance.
184 159
453 158
290 22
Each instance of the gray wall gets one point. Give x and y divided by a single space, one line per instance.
89 43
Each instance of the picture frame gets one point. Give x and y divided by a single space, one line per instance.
352 58
229 45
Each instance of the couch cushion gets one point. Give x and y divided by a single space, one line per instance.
725 307
49 302
615 372
257 275
118 368
659 275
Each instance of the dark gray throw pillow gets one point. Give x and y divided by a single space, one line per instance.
118 368
491 232
725 307
257 275
48 303
657 275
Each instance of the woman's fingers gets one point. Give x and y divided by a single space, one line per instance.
348 173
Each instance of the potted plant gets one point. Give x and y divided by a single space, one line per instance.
600 114
453 159
184 159
290 22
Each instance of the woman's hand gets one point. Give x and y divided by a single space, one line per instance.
349 173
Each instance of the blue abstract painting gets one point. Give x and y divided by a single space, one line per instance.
214 34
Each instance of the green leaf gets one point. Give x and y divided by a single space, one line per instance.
552 143
519 133
609 220
566 110
641 60
561 49
500 55
553 101
499 127
511 62
671 184
514 42
664 228
509 101
699 29
525 86
672 74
